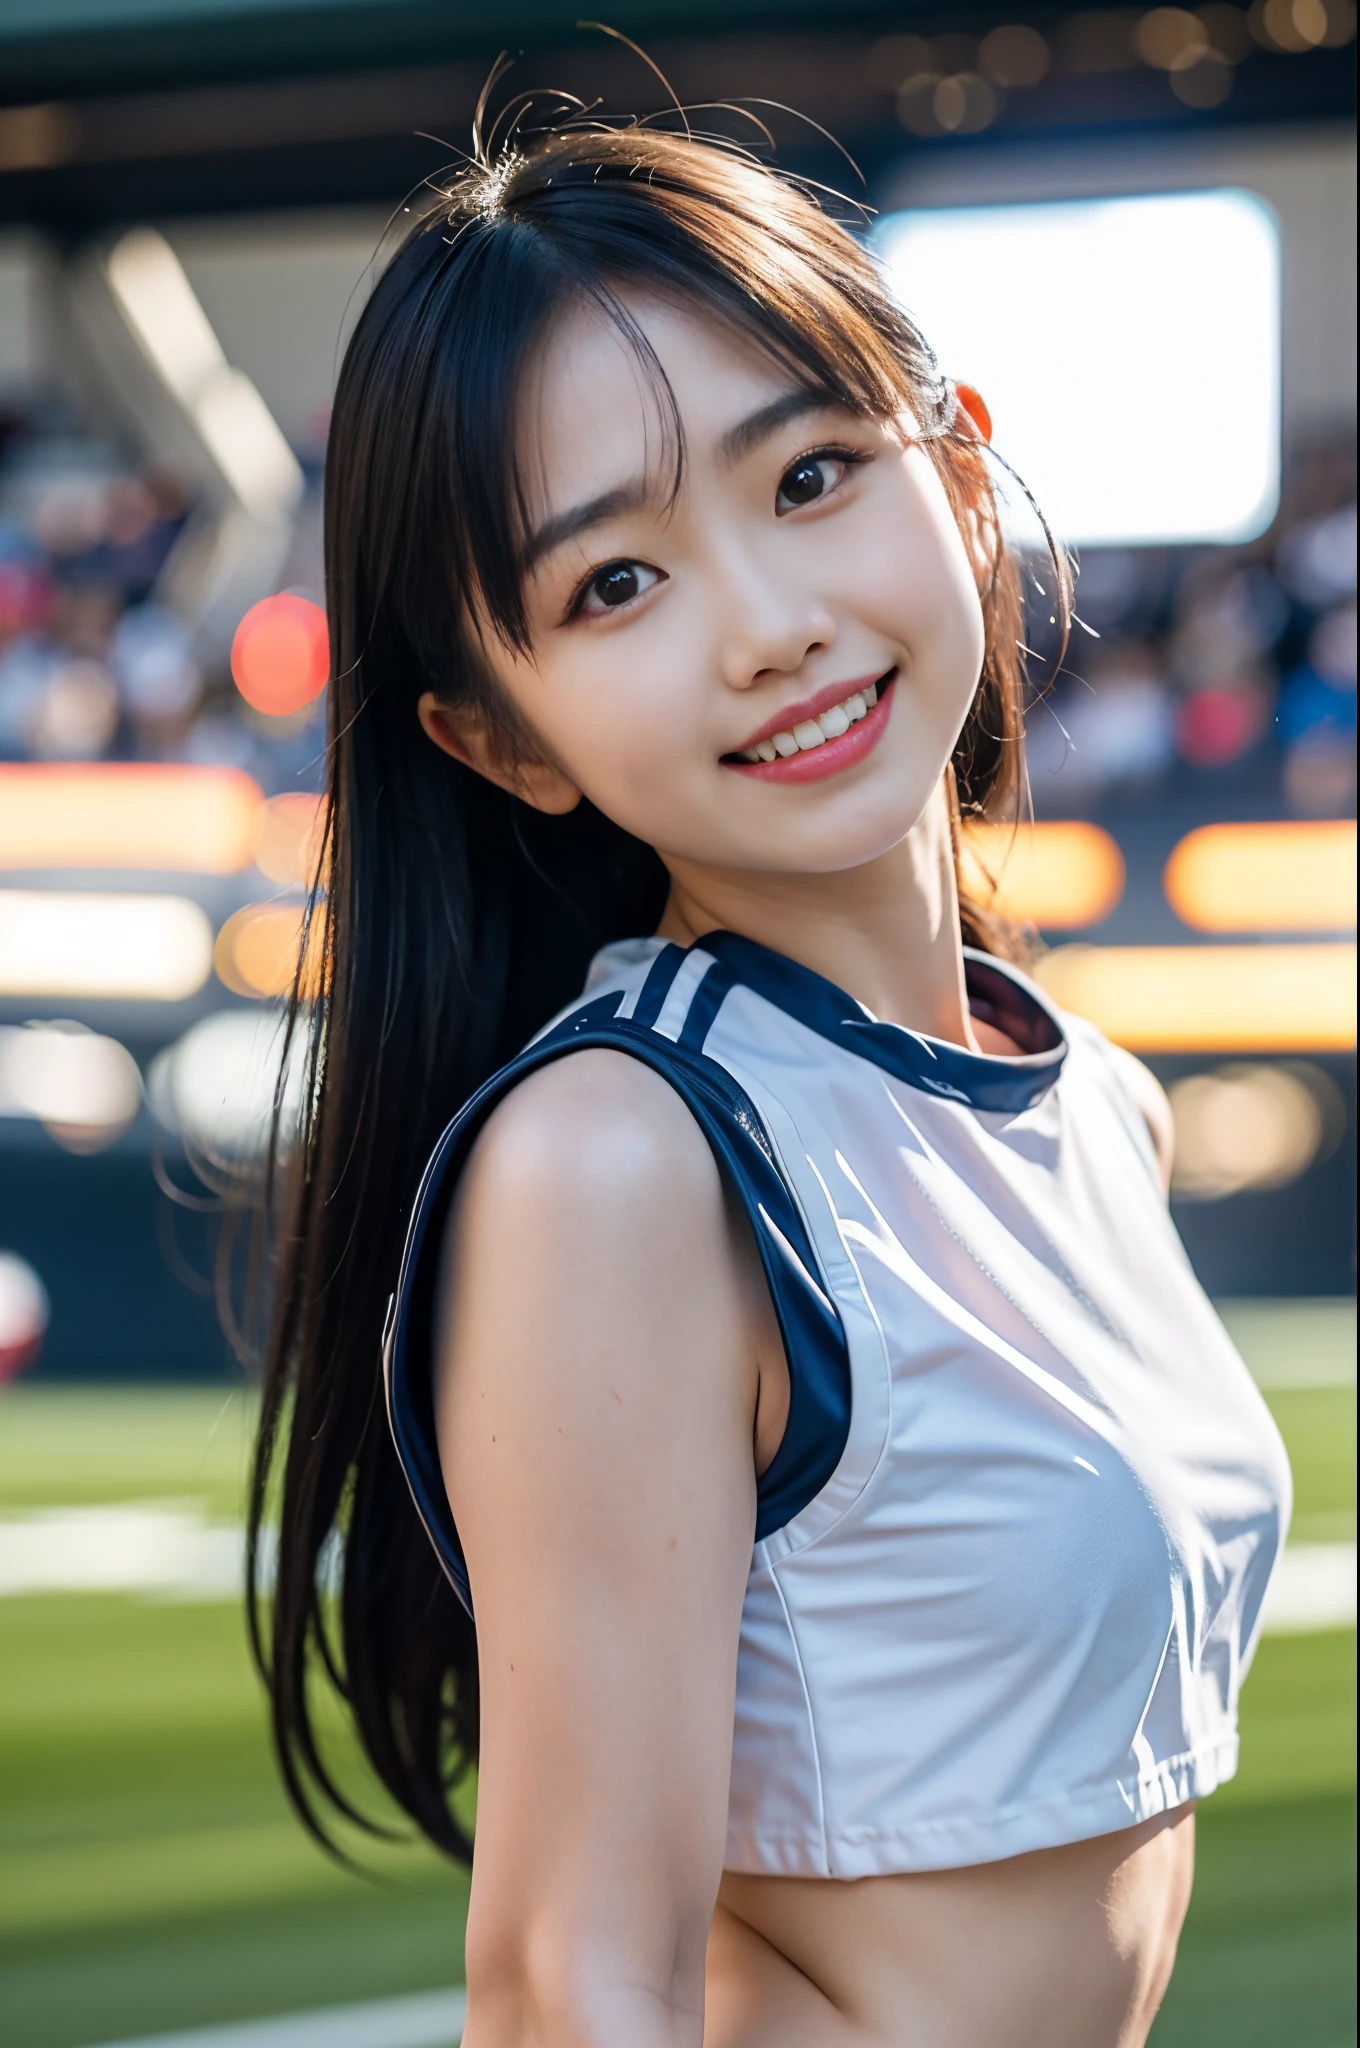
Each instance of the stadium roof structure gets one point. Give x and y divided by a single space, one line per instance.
97 46
113 110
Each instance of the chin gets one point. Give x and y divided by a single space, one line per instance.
864 839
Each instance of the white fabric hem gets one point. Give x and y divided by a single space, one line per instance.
957 1844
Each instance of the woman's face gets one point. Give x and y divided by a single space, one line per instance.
705 667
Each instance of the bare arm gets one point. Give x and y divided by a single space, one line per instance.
597 1390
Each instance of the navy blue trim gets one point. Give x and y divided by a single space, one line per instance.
981 1080
705 1004
819 1362
657 986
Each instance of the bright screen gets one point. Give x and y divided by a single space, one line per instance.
1128 350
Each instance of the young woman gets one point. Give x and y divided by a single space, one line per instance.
792 1366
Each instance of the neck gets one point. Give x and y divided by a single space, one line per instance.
887 932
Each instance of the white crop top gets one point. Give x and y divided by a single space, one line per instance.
1011 1554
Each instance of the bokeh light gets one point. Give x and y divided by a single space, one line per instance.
280 656
1296 26
1288 998
116 814
1061 875
83 1087
1169 38
1014 55
1270 877
288 837
1216 725
257 950
24 1313
215 1086
1245 1126
97 943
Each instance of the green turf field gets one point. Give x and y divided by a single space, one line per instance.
152 1877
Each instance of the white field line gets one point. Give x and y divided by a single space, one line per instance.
162 1548
169 1550
1313 1588
428 2019
1304 1375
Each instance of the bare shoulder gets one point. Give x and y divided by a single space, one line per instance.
592 1320
590 1222
598 1129
1151 1098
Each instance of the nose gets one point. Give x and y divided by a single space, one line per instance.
768 625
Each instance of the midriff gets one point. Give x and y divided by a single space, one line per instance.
1063 1948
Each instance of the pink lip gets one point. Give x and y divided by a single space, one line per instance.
833 755
809 707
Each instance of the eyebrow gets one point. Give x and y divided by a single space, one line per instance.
631 497
564 526
759 426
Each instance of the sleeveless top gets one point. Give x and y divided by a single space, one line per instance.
1011 1554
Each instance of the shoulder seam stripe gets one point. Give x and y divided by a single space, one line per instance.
670 1020
657 986
709 997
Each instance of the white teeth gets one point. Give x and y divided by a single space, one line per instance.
815 732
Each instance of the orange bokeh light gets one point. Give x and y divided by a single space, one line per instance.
280 657
257 951
1284 998
288 837
127 814
1295 875
1059 875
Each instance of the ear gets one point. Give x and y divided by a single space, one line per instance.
465 735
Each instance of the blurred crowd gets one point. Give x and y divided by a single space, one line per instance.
1217 672
96 664
1203 672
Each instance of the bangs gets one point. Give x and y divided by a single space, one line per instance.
577 222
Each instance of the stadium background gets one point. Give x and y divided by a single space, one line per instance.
191 196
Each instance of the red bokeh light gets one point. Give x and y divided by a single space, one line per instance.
24 1310
25 598
1218 724
280 657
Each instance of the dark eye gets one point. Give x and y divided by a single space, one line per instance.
808 479
617 583
801 484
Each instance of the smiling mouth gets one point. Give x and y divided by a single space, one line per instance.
810 733
809 749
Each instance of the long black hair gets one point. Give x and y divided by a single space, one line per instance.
448 921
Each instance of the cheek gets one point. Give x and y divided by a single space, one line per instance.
915 583
617 714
